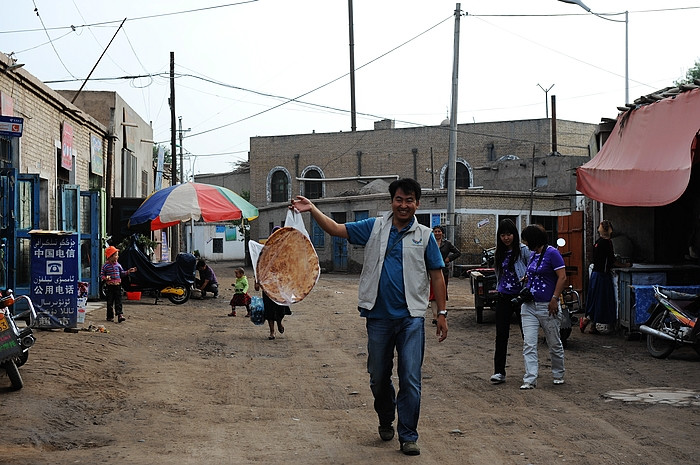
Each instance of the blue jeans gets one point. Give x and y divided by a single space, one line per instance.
534 315
407 336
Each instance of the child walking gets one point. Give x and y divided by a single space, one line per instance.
112 273
240 295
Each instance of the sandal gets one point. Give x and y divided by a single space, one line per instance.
583 323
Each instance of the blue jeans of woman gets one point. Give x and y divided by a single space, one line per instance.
407 337
535 315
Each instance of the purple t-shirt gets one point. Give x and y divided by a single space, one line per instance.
542 279
508 282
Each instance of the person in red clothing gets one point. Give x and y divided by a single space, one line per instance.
112 273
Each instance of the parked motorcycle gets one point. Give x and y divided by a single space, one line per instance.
173 280
16 336
673 322
483 282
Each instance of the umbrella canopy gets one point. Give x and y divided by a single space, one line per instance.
192 201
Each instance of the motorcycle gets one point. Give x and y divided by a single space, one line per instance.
483 282
15 339
673 322
173 280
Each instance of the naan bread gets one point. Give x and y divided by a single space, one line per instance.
288 267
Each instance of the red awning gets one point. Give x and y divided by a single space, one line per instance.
646 160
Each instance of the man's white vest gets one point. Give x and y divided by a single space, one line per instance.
415 273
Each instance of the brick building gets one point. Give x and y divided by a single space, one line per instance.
63 169
504 169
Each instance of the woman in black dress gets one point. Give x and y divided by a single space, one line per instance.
274 313
601 306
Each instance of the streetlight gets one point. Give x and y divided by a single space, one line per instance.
626 21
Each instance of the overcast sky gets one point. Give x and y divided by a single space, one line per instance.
237 61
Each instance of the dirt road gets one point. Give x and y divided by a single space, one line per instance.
188 385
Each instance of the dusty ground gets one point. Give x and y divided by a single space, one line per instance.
188 385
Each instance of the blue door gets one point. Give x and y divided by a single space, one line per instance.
90 240
20 214
340 246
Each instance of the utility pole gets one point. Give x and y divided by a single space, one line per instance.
174 239
452 155
180 132
353 113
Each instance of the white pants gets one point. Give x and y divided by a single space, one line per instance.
534 315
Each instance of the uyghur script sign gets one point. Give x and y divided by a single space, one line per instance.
54 287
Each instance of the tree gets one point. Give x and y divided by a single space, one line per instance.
166 151
691 75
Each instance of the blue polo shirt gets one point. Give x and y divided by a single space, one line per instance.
391 296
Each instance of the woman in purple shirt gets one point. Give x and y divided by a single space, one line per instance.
546 279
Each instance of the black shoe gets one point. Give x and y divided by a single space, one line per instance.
120 318
410 448
386 432
111 320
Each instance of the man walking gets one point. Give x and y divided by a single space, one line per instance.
401 258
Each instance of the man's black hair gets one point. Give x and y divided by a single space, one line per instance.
407 185
201 263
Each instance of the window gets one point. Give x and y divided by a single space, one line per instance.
318 237
423 218
279 186
462 176
217 245
463 180
540 181
144 183
550 225
313 189
361 215
130 171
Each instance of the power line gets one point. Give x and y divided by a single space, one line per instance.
36 10
138 18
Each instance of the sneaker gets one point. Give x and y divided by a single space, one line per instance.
410 448
525 386
558 381
386 432
498 378
111 320
120 318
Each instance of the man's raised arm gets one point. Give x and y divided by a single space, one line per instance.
302 204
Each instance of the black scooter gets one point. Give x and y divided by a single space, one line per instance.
173 280
15 339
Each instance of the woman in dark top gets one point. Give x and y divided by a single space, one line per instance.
511 260
600 301
449 254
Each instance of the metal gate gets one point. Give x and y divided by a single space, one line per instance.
91 240
19 198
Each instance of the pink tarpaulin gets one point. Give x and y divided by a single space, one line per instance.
646 160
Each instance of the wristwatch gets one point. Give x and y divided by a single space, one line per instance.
443 313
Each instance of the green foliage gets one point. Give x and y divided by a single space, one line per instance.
145 244
691 75
166 154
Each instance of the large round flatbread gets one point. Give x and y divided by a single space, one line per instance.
288 267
